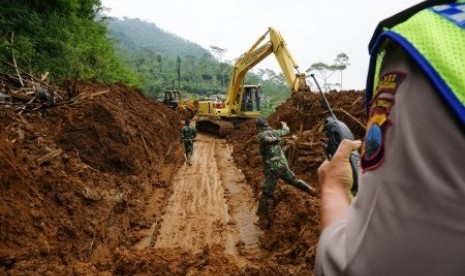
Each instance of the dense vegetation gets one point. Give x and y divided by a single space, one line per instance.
72 39
64 38
162 60
165 61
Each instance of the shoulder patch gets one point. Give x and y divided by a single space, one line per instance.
378 121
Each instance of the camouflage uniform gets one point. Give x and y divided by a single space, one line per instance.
275 167
187 136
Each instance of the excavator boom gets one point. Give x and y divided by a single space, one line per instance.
235 106
258 52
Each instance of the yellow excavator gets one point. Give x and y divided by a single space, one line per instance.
220 117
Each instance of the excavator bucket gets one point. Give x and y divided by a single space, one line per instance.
188 109
186 112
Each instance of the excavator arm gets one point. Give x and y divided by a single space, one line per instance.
222 119
259 51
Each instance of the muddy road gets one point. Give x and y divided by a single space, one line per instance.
211 205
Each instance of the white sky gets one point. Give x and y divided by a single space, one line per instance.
314 31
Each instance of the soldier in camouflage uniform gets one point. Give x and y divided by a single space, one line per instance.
275 166
187 136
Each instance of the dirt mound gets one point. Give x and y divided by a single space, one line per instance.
294 233
75 177
82 184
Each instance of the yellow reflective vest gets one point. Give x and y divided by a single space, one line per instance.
434 36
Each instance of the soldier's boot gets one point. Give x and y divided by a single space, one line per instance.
304 187
189 157
263 212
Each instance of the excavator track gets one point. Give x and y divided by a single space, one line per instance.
215 126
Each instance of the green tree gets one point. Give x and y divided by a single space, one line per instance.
65 38
159 60
178 70
325 71
340 63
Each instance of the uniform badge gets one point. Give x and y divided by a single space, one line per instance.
378 122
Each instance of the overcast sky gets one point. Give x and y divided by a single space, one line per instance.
314 31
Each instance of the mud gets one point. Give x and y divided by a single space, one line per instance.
292 239
101 187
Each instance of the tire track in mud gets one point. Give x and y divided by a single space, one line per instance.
211 204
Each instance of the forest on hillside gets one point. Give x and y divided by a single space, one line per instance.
74 40
166 61
64 38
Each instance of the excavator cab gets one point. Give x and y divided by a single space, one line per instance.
228 117
248 100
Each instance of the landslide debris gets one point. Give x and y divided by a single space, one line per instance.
75 178
82 181
294 231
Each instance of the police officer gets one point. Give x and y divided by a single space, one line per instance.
274 166
188 134
408 217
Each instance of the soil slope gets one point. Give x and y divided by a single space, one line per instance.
293 236
101 187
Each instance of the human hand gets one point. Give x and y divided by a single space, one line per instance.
335 178
336 175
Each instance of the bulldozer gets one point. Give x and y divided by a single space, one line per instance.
172 98
185 108
220 118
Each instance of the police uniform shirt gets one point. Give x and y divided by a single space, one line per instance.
409 215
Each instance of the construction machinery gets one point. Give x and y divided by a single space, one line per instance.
185 108
172 98
221 117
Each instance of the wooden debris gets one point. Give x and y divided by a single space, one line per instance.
49 156
362 125
14 59
146 148
44 76
24 92
94 94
